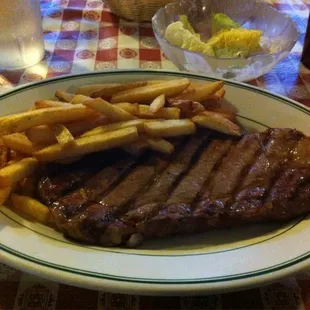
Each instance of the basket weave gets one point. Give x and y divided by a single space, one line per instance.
136 10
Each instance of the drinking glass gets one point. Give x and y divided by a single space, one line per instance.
21 35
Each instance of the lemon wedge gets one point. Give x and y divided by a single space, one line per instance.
230 41
236 42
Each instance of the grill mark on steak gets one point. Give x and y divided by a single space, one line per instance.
248 211
191 184
217 193
94 217
249 204
262 177
129 188
61 179
93 187
286 191
162 162
292 184
50 189
236 163
275 154
120 198
151 201
110 176
89 217
182 198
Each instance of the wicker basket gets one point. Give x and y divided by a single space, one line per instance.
137 10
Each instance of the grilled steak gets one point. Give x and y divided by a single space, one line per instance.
210 181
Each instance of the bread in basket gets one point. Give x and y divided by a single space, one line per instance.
136 10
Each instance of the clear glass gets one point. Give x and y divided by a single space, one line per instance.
279 36
21 34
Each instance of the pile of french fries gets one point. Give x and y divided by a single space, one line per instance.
134 116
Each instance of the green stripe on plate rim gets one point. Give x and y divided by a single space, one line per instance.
155 72
240 276
245 275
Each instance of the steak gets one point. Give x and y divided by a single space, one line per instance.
210 181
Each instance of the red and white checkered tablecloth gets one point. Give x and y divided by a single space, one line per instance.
82 36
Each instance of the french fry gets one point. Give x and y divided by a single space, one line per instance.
88 89
20 143
170 128
79 99
43 104
129 107
23 121
63 135
136 148
188 108
63 96
153 82
166 113
157 103
108 92
13 161
217 122
138 123
41 134
44 134
31 207
12 174
202 93
147 93
194 84
109 110
5 194
90 144
215 100
78 127
132 108
160 145
223 112
220 94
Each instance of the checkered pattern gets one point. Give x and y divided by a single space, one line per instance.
82 36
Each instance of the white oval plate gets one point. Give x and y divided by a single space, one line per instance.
218 261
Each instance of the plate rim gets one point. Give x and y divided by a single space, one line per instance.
30 265
30 85
123 287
